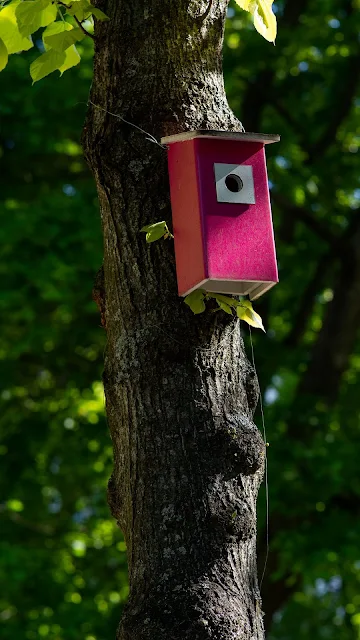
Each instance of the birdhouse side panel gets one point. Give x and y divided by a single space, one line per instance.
239 236
187 223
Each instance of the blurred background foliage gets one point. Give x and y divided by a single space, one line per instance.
63 561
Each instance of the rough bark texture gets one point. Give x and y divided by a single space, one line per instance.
180 392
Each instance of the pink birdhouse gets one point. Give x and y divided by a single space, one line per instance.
223 232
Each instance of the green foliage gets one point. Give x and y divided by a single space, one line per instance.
243 308
54 60
9 30
264 19
3 55
246 312
156 231
60 36
33 14
21 19
82 10
196 301
63 569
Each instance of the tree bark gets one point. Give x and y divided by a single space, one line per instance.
180 393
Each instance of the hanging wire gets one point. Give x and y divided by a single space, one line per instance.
266 461
149 136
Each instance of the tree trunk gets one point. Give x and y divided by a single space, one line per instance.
180 393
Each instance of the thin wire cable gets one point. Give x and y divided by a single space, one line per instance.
266 462
149 136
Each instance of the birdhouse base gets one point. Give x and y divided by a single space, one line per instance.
253 288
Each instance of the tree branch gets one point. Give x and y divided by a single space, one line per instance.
83 29
77 21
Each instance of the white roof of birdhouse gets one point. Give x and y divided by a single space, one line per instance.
265 138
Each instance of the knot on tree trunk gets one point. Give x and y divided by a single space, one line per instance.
239 448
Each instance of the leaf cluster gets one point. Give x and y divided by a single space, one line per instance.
242 308
63 569
63 23
196 300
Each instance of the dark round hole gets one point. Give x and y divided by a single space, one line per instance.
234 183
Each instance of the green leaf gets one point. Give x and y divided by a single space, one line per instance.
245 312
246 303
219 297
54 59
82 9
61 36
9 30
33 14
99 15
55 28
225 307
3 55
72 58
195 300
264 19
247 5
225 303
155 231
79 9
46 63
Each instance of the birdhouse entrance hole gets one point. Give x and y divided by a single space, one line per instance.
234 183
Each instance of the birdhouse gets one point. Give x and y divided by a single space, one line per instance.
222 225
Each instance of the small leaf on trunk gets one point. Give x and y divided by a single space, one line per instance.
195 300
155 231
